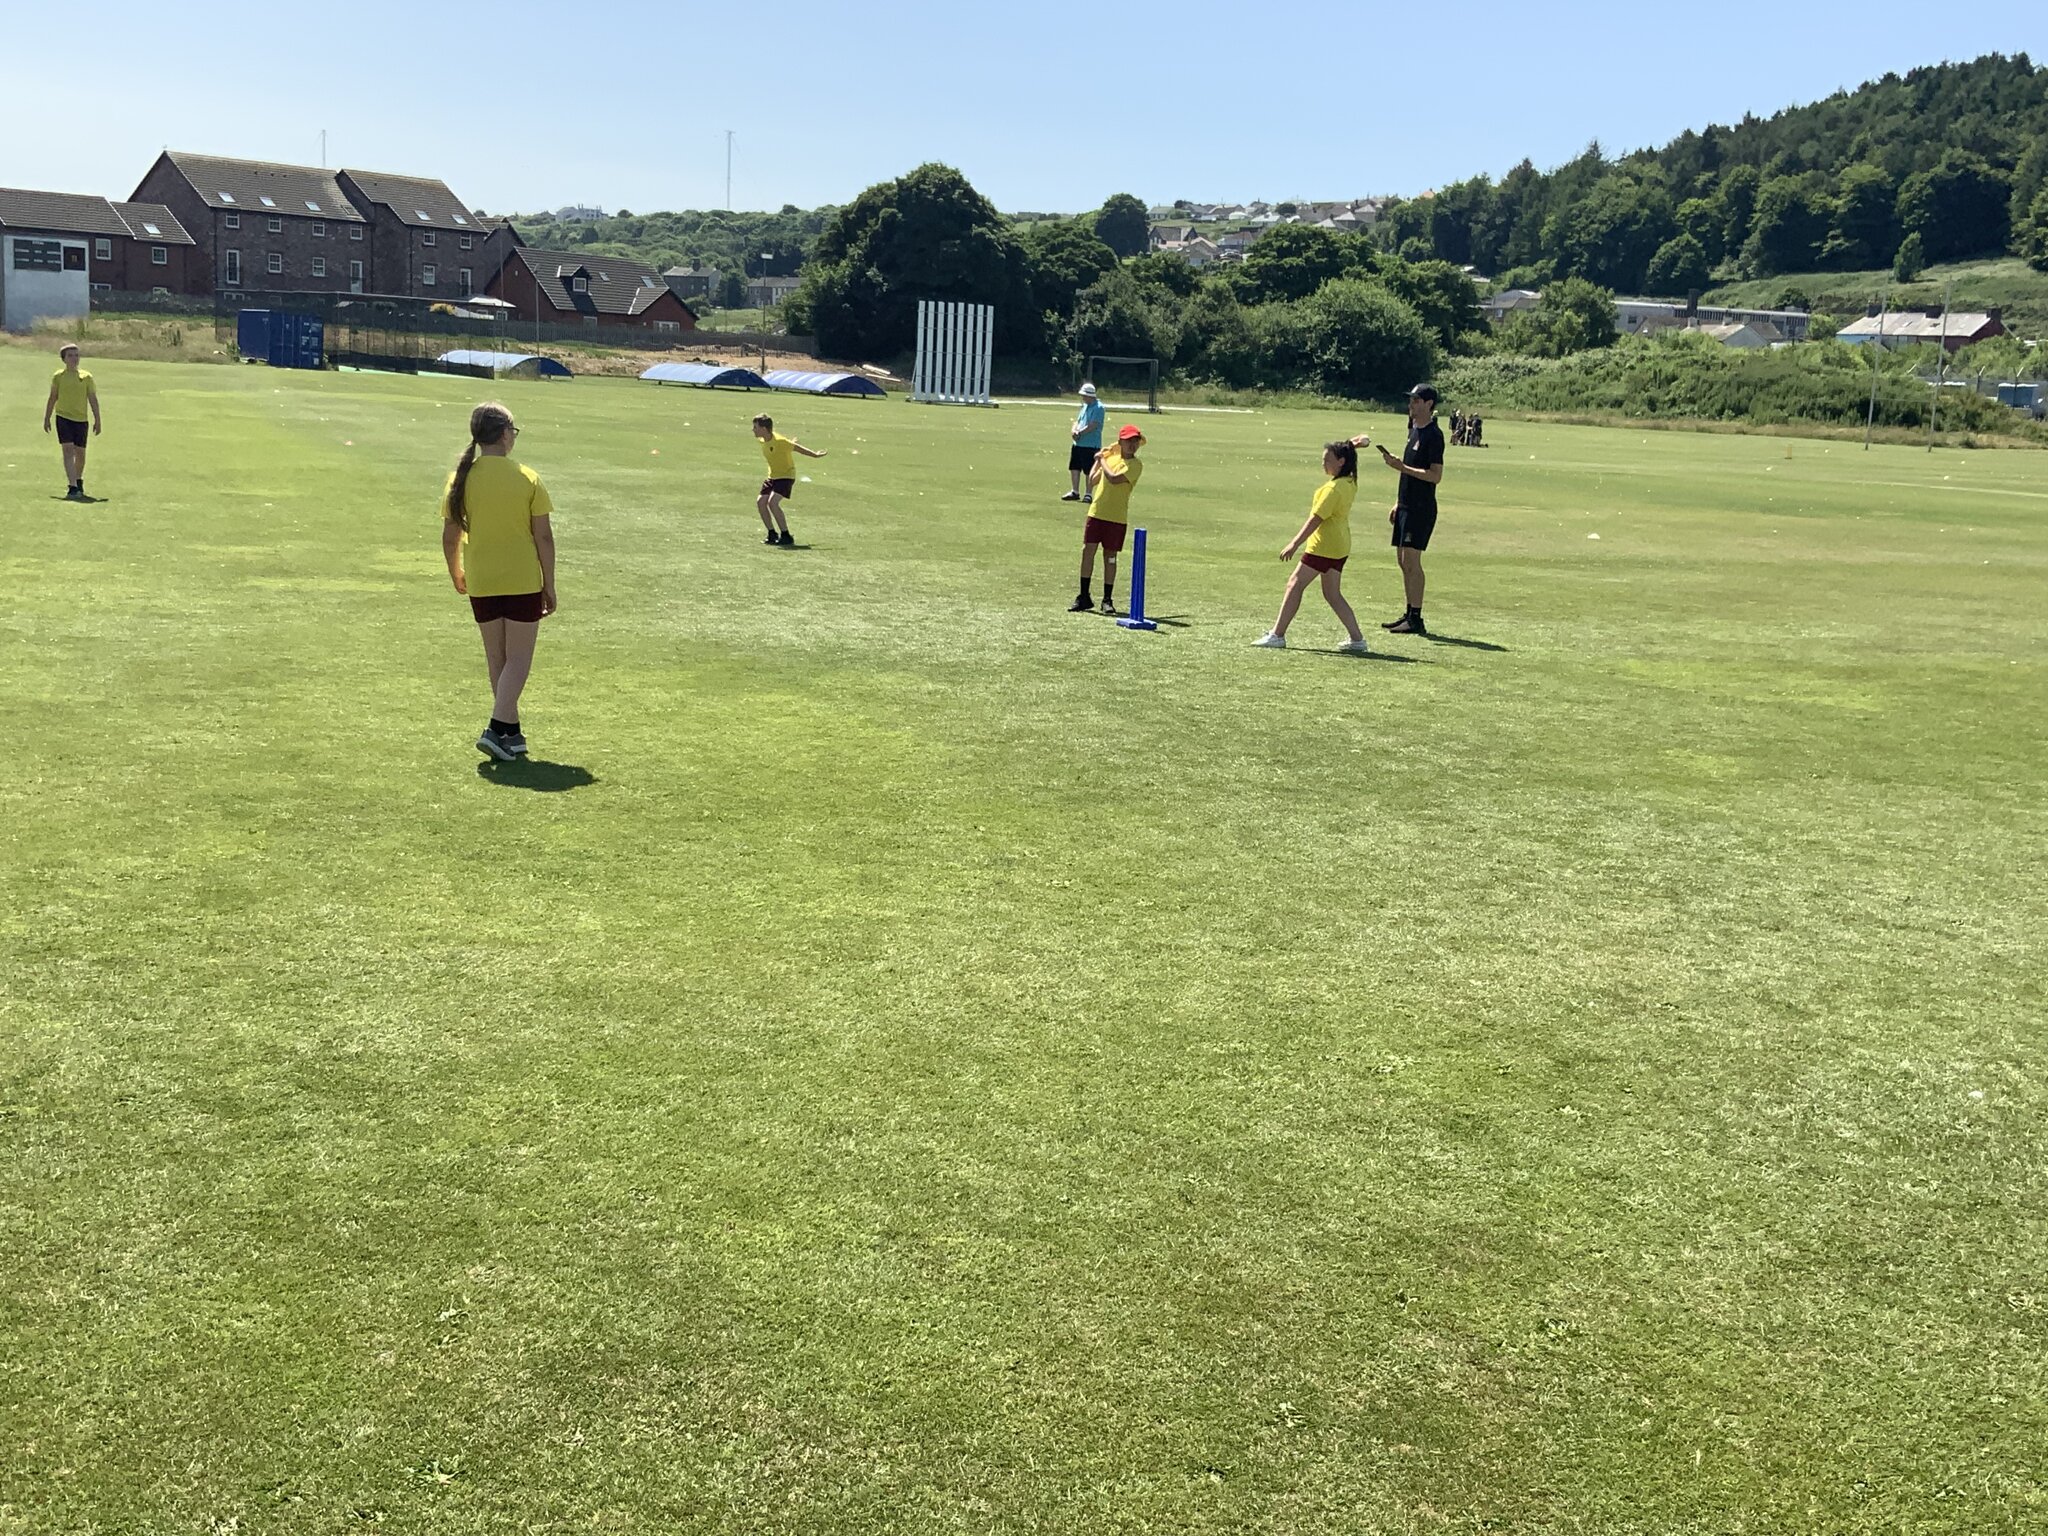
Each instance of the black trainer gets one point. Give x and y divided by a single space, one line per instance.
788 539
1071 496
516 743
773 537
1408 624
491 744
1082 604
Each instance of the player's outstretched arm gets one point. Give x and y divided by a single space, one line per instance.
809 453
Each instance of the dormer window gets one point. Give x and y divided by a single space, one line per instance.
226 197
580 284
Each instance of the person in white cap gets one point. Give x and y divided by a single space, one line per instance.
1087 436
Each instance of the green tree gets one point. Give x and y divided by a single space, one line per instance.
1365 342
1911 259
1216 338
1124 225
1609 235
927 235
1679 267
732 291
1737 197
2032 241
1116 318
1701 217
1066 257
1291 261
1157 269
1791 222
1443 296
1958 207
1574 316
1866 226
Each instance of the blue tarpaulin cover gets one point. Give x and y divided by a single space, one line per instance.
709 375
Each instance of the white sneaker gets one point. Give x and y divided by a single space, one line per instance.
1352 648
1272 642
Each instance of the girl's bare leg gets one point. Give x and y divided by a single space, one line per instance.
1290 602
517 663
1334 596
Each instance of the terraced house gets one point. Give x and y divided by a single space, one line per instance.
263 227
59 248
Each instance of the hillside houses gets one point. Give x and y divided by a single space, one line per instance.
1204 233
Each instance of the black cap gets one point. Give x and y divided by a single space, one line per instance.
1423 392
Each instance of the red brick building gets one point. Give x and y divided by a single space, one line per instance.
424 241
260 227
566 288
129 247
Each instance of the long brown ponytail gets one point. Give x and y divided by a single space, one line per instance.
488 424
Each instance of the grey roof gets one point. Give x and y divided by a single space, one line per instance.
1913 325
66 213
419 201
618 284
296 191
154 222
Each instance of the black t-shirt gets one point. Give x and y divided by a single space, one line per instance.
1425 447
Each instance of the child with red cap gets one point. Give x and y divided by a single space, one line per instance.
1115 471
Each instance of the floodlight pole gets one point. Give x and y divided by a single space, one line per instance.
1941 366
1884 308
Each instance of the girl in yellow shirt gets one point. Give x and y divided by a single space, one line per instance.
1324 544
499 542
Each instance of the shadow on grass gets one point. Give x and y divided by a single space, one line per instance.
1471 645
1169 620
536 774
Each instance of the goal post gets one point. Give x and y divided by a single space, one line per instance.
1141 372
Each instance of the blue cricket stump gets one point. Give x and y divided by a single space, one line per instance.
1136 619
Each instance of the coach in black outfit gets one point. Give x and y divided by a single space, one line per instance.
1421 467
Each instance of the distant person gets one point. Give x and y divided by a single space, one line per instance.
780 452
1475 431
499 542
1087 435
72 399
1324 544
1457 429
1421 468
1110 479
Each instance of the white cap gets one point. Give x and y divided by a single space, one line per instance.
1088 390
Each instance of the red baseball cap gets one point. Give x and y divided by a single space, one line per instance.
1128 433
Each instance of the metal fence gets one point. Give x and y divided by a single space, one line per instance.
397 326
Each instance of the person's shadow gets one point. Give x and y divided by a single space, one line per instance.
1471 645
534 773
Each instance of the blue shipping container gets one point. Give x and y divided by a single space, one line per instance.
252 334
281 338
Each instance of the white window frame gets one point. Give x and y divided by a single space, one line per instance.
426 237
465 283
102 249
274 263
319 230
274 225
231 269
427 275
465 241
579 285
102 287
319 266
231 221
668 325
159 256
355 231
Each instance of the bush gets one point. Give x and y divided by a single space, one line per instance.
1364 342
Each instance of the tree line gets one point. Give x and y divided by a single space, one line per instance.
1942 164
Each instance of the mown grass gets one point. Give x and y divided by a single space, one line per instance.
2005 283
913 1059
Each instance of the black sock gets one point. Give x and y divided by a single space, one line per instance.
1414 612
504 727
1087 585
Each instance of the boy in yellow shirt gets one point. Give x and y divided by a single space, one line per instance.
780 452
1116 471
72 397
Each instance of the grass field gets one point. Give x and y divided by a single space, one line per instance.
912 1059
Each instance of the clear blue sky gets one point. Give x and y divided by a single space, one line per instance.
1045 107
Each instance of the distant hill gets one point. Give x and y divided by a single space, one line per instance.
1954 153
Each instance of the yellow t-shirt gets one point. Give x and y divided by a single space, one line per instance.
1332 509
502 498
1113 501
780 453
73 390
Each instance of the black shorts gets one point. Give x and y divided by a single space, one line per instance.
1081 458
1413 526
783 488
520 607
70 433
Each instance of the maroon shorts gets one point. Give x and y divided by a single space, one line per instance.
70 433
1109 535
783 488
1324 562
520 607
